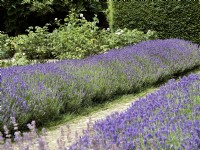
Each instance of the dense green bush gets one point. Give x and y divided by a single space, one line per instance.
20 59
124 37
4 63
76 38
36 45
6 48
172 19
79 38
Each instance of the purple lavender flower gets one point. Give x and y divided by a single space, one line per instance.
43 91
165 119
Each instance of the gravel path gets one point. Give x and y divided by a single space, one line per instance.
81 123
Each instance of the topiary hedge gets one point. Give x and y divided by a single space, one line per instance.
172 19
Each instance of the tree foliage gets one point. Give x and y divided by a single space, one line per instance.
18 15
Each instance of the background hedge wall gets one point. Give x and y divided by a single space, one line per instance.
172 19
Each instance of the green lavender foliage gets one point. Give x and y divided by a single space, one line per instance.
45 91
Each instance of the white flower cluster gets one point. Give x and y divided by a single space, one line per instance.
81 15
119 32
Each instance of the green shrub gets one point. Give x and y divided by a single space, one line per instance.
76 38
5 63
124 37
36 44
6 49
171 19
20 59
79 38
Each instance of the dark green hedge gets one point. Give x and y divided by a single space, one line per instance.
172 19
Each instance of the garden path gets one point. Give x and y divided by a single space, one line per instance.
81 123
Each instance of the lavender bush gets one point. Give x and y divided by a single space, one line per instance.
166 119
42 92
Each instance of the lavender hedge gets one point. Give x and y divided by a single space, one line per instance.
42 92
166 119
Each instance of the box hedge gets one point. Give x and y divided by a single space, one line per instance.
172 19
